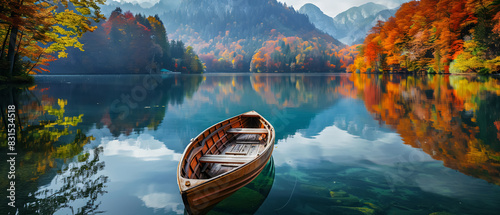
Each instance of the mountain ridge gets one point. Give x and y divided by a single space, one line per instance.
146 8
241 35
230 33
350 26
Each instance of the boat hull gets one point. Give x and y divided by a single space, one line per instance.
200 195
201 199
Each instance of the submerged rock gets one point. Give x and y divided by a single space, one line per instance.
339 193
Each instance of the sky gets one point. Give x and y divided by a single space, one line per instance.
334 7
329 7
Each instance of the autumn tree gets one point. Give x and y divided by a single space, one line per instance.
294 54
32 30
436 37
130 43
192 61
160 38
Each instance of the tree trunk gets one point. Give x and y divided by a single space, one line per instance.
16 55
12 49
4 42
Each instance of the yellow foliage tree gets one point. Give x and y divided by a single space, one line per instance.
34 29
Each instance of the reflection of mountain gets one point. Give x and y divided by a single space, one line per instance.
184 105
288 102
322 145
347 115
447 117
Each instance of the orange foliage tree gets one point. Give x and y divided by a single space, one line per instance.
293 54
437 37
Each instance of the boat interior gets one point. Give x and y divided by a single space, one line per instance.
226 146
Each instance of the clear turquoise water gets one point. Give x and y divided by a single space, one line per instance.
337 151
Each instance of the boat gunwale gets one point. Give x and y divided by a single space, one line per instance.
203 181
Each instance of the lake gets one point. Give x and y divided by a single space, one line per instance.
345 143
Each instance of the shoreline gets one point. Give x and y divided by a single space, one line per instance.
268 73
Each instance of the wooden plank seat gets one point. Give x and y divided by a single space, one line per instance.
241 149
248 142
238 149
247 131
250 137
229 159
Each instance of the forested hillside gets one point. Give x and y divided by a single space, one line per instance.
435 36
128 43
258 35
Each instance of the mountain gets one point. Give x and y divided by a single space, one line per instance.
318 18
241 35
354 23
258 35
145 8
350 26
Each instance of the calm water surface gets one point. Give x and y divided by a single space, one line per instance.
346 144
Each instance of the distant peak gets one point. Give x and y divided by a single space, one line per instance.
371 3
364 10
374 6
310 6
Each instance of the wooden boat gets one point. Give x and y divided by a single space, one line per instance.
222 159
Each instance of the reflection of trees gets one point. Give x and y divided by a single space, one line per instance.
101 99
40 139
289 102
151 112
295 90
80 181
45 136
439 114
52 131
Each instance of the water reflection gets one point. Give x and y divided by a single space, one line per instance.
451 118
47 137
340 171
76 190
345 144
121 103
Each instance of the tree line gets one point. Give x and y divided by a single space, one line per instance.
34 33
128 43
436 37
